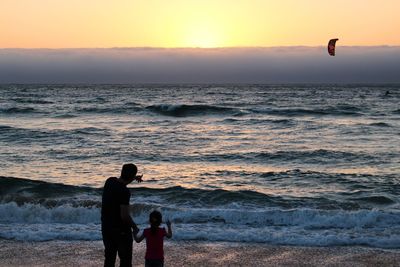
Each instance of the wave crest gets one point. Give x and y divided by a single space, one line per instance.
190 110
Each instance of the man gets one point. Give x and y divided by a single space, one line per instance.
116 222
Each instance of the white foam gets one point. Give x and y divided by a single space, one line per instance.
54 231
308 218
384 238
35 213
312 227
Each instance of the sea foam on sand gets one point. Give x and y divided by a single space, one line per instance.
188 253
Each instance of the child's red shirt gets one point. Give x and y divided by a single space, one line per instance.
154 243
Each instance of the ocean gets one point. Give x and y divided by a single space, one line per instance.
304 165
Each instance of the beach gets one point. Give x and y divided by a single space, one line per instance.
195 253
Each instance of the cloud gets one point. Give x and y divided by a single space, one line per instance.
197 65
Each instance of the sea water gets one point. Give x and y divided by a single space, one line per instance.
302 164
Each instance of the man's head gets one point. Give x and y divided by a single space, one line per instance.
128 172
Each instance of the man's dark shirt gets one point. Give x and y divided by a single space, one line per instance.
114 195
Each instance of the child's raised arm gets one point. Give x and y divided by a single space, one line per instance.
169 230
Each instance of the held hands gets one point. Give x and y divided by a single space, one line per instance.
135 229
138 178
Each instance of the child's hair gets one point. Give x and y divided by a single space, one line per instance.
155 219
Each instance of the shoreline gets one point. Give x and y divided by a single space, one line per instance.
195 253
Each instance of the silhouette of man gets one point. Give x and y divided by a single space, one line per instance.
116 222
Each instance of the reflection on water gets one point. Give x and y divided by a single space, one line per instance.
213 137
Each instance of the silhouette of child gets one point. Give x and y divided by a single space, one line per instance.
154 240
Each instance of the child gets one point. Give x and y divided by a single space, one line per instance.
154 240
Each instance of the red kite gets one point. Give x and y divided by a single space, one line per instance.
331 46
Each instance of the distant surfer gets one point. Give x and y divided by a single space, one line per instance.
116 222
387 93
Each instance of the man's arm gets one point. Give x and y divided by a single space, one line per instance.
137 238
127 219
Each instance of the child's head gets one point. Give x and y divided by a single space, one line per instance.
155 218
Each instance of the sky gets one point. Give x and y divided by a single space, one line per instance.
198 41
196 23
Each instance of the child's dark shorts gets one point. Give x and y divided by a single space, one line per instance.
154 263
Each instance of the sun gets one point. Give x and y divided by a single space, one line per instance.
202 38
202 35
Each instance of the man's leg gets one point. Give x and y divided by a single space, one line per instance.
110 242
125 249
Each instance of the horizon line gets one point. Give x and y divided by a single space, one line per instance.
204 83
193 47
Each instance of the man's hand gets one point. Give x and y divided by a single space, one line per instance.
138 178
135 229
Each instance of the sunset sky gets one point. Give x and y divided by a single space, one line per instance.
195 23
263 41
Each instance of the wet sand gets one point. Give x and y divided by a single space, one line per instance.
179 253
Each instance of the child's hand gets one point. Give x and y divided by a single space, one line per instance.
169 223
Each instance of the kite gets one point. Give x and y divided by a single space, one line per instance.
331 46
